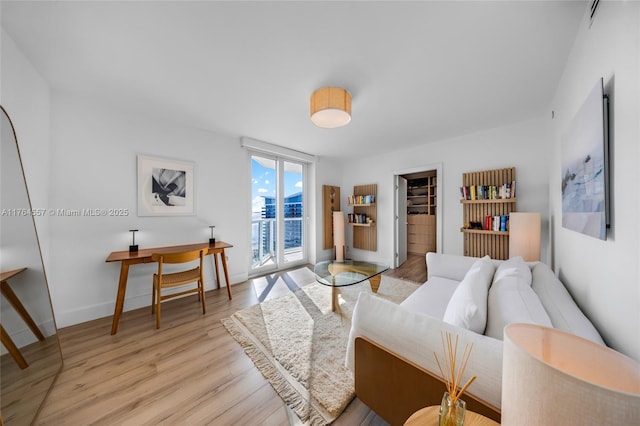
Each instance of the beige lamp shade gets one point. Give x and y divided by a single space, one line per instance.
338 235
550 377
524 235
330 107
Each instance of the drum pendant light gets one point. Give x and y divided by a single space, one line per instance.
330 107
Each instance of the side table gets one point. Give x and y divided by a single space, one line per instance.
428 416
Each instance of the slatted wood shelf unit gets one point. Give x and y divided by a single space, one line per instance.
483 231
365 236
508 200
482 242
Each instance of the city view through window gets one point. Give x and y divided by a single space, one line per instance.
266 208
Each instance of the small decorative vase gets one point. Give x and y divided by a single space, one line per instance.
452 414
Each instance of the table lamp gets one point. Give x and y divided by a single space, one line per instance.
212 239
551 377
133 247
524 236
338 235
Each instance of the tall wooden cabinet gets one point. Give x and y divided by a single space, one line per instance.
487 199
421 213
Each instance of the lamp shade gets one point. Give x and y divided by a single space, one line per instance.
550 377
524 235
338 235
330 107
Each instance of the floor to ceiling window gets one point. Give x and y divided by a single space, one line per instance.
277 213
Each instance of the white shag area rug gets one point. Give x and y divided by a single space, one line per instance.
299 345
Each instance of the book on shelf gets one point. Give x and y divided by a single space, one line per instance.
503 223
358 218
488 192
361 199
496 223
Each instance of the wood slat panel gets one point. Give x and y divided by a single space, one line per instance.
482 244
366 237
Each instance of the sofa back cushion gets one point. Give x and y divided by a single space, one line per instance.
432 297
563 311
514 266
511 299
467 307
449 266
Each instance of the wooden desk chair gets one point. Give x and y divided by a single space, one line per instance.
176 279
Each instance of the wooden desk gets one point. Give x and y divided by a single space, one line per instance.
11 297
430 416
144 256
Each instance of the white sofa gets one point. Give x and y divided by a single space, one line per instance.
457 291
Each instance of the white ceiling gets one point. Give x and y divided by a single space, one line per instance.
418 71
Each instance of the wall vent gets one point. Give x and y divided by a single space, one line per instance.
592 10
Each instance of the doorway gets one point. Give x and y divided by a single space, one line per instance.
418 227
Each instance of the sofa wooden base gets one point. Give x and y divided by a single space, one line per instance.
395 388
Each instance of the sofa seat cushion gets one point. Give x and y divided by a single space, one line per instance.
467 307
511 299
432 297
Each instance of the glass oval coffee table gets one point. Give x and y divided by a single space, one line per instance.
341 274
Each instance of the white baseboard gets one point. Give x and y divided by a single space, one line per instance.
101 310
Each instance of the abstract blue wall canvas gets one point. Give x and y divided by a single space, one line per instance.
584 183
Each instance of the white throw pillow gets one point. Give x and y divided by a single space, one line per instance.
511 300
467 307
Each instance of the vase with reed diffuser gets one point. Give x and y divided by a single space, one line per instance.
452 408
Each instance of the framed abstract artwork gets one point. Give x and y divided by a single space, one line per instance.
585 168
166 187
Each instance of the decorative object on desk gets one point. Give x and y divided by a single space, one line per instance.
585 164
452 408
330 107
338 235
212 239
524 236
133 247
552 377
165 187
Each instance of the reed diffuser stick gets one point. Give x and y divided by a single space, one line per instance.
450 369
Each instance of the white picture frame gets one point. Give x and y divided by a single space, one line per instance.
166 187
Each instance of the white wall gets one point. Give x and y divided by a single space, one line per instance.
94 167
603 276
328 172
25 96
523 145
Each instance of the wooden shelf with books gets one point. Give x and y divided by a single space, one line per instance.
488 197
498 201
483 231
364 216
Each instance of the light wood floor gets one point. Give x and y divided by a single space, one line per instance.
190 372
413 269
